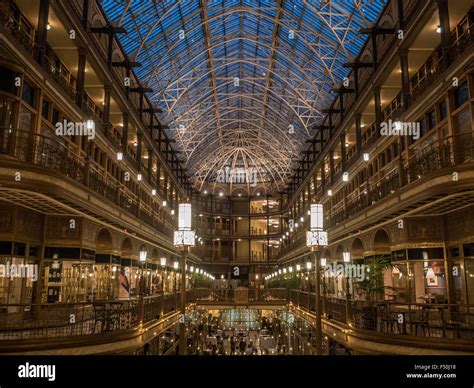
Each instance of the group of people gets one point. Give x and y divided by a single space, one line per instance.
239 346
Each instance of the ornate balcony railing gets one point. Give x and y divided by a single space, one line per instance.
445 153
37 321
451 321
51 154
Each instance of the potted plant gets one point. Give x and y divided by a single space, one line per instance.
372 288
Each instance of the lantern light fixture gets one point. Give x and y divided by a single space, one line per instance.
346 256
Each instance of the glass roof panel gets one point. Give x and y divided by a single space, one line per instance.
232 76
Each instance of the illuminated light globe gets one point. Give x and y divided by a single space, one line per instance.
316 237
184 236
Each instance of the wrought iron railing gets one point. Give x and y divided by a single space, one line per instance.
56 320
446 153
51 154
452 321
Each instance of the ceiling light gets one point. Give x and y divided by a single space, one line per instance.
438 29
48 26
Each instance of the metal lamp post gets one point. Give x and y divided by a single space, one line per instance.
323 262
347 259
316 239
142 281
184 238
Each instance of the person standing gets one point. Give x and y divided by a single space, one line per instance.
124 285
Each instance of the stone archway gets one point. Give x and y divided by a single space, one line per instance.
357 249
104 241
127 248
381 244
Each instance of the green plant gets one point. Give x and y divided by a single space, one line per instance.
288 281
372 286
201 281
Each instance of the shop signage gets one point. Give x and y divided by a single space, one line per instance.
399 255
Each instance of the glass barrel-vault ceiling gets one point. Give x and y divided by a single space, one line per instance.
242 83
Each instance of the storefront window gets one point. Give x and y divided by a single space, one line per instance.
68 281
429 281
6 113
457 270
7 80
400 282
16 283
469 264
106 281
27 119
